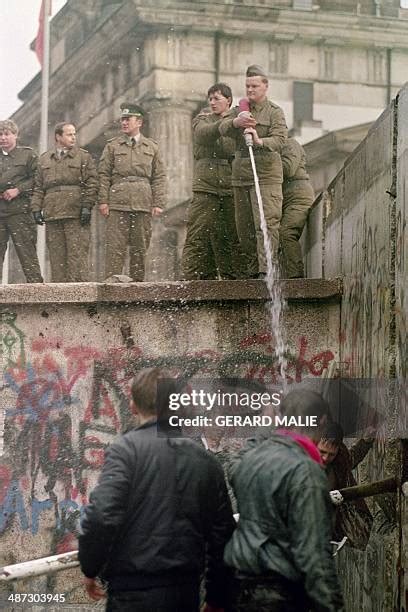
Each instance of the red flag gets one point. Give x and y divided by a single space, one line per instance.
39 41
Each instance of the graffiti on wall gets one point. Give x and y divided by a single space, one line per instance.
366 301
65 404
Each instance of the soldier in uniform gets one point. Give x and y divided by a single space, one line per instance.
65 190
212 247
132 191
266 123
17 168
298 196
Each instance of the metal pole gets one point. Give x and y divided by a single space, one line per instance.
379 487
45 74
37 567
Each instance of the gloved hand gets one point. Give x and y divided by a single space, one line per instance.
85 216
38 217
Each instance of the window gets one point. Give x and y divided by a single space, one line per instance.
302 102
327 65
278 58
376 61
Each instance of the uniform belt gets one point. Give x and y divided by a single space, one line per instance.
131 179
217 160
257 152
62 188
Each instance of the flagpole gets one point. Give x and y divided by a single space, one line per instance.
45 76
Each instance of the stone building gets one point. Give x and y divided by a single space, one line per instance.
332 65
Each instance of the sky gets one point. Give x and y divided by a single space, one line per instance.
19 25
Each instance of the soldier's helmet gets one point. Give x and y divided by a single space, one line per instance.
130 109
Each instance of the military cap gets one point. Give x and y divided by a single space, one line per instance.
256 70
129 109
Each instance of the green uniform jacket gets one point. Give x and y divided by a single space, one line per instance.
293 161
284 524
132 178
17 169
213 156
271 127
63 186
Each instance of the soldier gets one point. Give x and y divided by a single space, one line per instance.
132 191
212 246
65 190
16 182
267 125
298 196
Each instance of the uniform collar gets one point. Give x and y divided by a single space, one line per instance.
68 152
124 139
260 106
9 153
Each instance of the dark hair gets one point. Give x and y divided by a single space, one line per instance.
332 433
151 389
59 128
223 88
306 403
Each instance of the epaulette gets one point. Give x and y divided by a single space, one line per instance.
204 112
275 106
24 147
83 150
112 140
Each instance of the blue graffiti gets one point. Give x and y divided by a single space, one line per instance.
68 511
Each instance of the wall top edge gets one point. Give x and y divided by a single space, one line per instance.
187 292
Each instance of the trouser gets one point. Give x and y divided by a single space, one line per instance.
212 246
249 223
23 232
298 196
173 598
274 593
68 248
127 229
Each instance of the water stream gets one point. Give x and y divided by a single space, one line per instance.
276 304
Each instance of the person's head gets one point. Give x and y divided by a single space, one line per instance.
220 98
131 118
147 402
65 135
256 84
331 436
8 135
303 404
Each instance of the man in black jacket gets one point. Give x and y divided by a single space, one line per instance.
159 512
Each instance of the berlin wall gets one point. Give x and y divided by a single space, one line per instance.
357 231
67 356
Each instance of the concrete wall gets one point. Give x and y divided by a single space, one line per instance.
357 230
67 356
